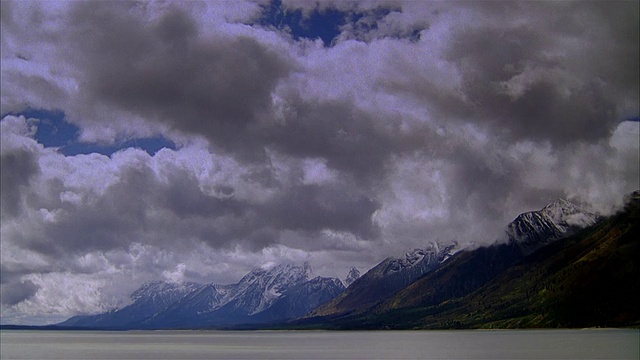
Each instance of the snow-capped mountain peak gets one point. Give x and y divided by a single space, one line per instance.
352 276
282 273
426 257
565 213
260 288
160 288
413 257
534 229
160 304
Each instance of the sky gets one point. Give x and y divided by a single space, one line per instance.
193 141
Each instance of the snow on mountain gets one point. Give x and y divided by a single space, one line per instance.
260 288
151 298
163 292
535 229
206 299
300 299
352 276
387 278
419 259
160 304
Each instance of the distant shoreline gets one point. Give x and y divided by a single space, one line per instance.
71 328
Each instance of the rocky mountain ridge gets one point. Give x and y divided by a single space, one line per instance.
386 279
352 276
160 305
535 229
150 298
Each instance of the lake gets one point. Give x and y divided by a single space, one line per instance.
473 344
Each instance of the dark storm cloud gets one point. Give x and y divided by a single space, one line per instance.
135 206
583 106
608 32
19 166
16 292
170 209
481 182
351 140
13 273
312 208
490 56
620 63
347 138
182 196
166 71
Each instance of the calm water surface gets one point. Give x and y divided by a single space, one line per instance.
507 344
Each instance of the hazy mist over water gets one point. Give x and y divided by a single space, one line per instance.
499 344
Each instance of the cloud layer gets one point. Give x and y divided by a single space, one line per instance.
418 122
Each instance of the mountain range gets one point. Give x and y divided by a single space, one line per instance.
386 279
561 266
263 295
551 273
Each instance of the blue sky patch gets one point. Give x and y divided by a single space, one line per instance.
320 24
326 24
55 131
